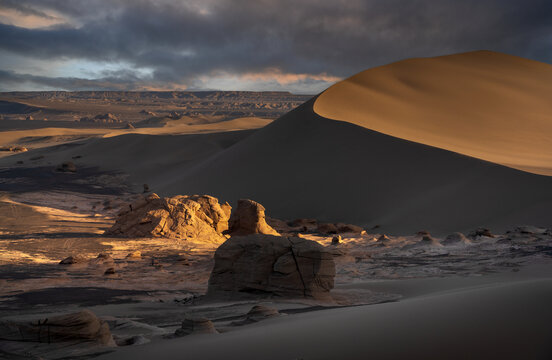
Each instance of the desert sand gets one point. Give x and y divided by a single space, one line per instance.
435 145
483 104
366 177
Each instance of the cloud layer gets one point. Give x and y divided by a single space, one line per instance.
301 46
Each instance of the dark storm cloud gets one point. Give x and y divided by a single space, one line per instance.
123 81
182 40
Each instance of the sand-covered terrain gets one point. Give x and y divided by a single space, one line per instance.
415 194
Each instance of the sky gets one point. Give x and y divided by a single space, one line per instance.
302 46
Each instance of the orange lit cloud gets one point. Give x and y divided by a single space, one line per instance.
283 78
29 21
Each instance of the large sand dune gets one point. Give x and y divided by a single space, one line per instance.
304 165
483 104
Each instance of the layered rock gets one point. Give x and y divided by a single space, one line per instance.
249 218
272 266
178 217
81 326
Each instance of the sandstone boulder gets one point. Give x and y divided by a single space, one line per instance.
272 266
262 312
74 259
196 326
81 326
178 217
249 218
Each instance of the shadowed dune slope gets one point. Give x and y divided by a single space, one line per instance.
304 165
151 159
494 322
484 104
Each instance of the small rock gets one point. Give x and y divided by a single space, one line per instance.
134 255
74 259
456 238
196 326
261 312
429 240
110 271
67 166
384 239
336 240
133 340
481 232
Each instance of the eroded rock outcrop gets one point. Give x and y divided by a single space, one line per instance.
272 266
81 326
249 218
178 217
194 326
456 238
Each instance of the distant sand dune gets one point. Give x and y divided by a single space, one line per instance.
488 105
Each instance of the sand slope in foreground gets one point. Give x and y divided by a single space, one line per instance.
507 321
488 105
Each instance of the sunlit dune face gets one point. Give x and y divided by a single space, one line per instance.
491 106
30 21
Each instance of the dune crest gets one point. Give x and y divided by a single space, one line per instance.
488 105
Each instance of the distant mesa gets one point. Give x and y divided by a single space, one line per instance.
102 118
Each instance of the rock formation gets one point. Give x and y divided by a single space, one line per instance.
272 266
74 259
67 166
261 312
456 238
249 218
81 326
196 326
178 217
481 232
